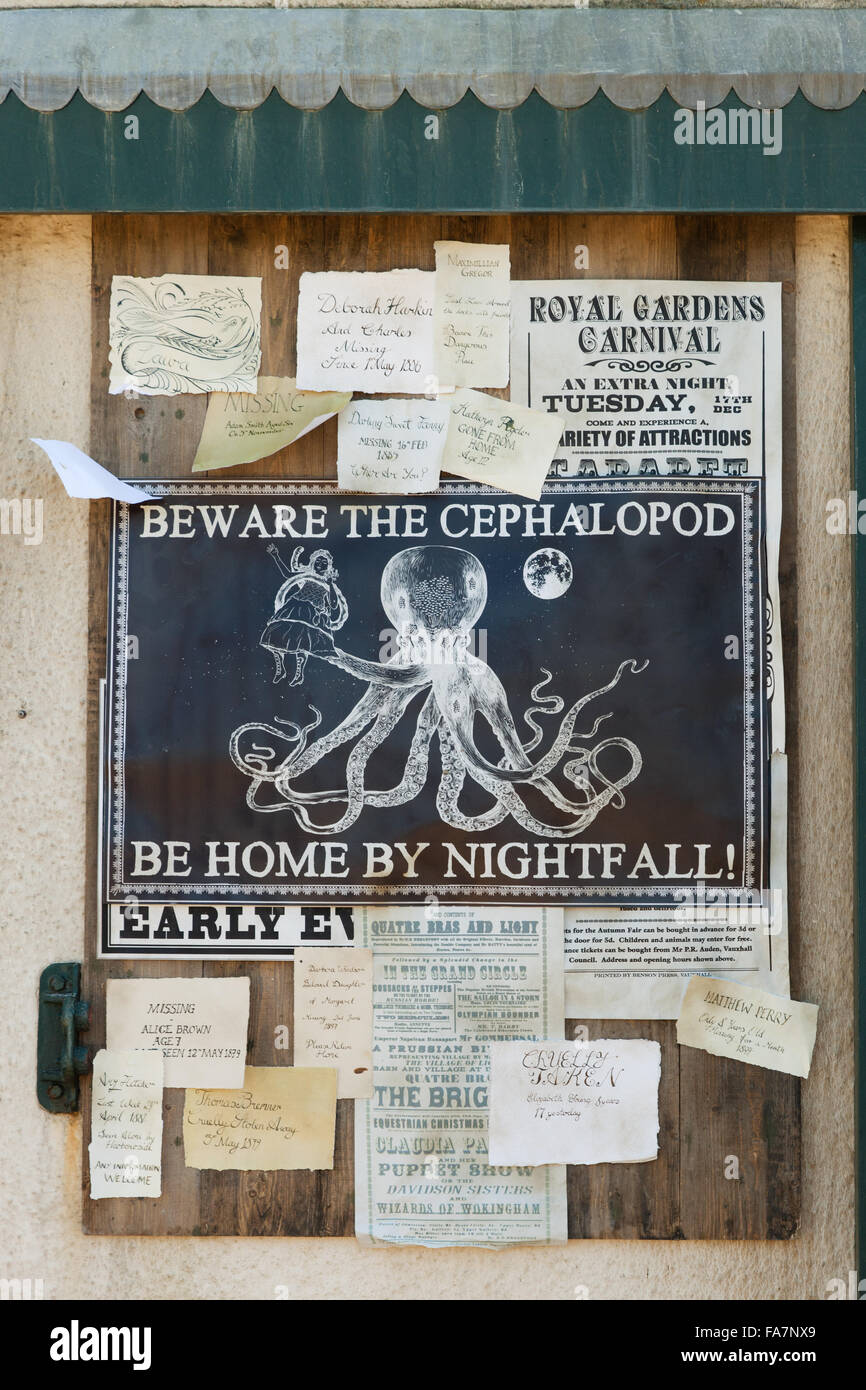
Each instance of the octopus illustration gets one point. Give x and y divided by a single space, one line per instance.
434 596
168 338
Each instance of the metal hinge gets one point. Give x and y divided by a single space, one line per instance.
60 1058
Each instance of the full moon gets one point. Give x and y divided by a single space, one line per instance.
548 573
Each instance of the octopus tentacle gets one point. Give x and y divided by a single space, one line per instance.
300 758
378 672
414 776
591 761
364 712
255 763
469 691
541 704
438 592
487 696
389 712
585 815
417 763
450 787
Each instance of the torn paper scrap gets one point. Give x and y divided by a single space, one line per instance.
283 1117
391 445
574 1102
126 1124
334 1016
368 331
497 442
199 1025
243 426
748 1025
184 333
472 316
82 476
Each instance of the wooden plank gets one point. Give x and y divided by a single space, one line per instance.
276 1203
709 1109
240 245
728 1111
142 436
151 436
633 1200
637 1201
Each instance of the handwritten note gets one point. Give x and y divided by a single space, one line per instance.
500 443
366 331
391 446
282 1117
242 426
472 315
561 1102
126 1124
334 1016
748 1025
199 1026
184 333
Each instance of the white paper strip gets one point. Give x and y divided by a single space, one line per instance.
243 426
333 1019
499 443
184 333
82 476
748 1025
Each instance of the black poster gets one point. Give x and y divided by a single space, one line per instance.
318 699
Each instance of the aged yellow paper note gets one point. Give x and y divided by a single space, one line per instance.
242 426
283 1117
500 443
126 1125
748 1025
472 315
199 1025
391 445
334 1015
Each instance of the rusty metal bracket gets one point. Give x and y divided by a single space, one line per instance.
60 1058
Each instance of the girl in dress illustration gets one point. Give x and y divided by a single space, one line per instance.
308 607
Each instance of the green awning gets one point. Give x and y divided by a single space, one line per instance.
273 109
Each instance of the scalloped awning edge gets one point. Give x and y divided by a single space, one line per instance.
373 56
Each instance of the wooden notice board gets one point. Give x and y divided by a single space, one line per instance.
711 1109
